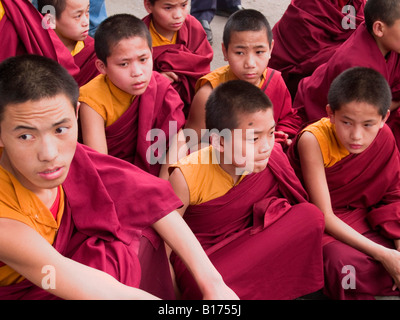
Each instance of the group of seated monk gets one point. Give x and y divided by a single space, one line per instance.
130 170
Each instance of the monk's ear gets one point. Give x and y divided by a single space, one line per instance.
330 113
78 106
217 141
100 65
224 52
271 48
378 28
148 6
385 119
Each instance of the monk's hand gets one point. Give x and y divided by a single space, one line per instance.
171 76
282 138
391 262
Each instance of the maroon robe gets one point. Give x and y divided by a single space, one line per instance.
359 50
189 58
22 33
158 108
365 193
85 60
308 34
285 116
108 204
266 243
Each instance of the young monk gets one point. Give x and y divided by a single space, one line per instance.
121 106
181 51
309 33
70 211
374 45
247 46
22 32
247 208
72 27
350 166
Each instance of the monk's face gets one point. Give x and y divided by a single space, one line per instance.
130 65
357 125
248 54
251 144
168 15
73 24
39 140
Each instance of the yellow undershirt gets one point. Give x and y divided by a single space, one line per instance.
205 178
158 39
18 203
2 12
332 150
78 48
105 98
222 75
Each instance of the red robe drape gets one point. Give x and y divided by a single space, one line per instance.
308 34
157 108
189 58
22 33
249 232
85 60
365 193
108 204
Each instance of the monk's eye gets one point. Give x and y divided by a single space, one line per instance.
61 130
25 137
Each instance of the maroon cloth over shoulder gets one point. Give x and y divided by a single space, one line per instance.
22 33
109 202
189 58
85 60
308 34
158 109
359 50
285 116
248 235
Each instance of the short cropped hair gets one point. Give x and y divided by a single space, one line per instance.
116 28
59 6
387 11
246 20
229 100
32 78
362 85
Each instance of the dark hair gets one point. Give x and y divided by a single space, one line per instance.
362 85
32 78
387 11
246 20
59 6
116 28
231 99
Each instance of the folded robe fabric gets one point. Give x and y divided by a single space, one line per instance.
22 33
85 60
108 204
308 34
248 235
189 58
159 109
360 50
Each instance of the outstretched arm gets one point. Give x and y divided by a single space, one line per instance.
24 250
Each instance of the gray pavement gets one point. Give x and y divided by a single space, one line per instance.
272 9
